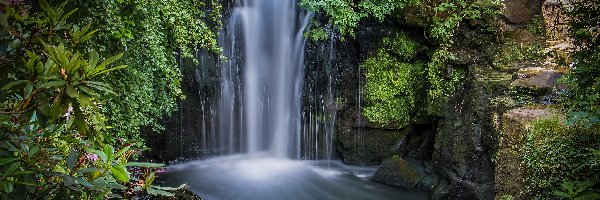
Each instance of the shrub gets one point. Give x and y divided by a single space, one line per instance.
555 154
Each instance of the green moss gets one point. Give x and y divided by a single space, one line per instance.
443 81
393 83
317 34
402 46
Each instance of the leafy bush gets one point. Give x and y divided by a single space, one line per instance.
583 100
154 37
52 129
345 14
556 156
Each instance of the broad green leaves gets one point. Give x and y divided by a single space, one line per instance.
52 72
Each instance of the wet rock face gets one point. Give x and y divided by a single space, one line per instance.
366 146
189 128
397 172
464 146
521 11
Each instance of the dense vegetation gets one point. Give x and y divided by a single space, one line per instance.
394 72
562 161
153 35
73 96
584 77
563 156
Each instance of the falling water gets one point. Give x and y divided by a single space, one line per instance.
320 106
265 49
260 124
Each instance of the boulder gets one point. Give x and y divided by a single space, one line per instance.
367 146
521 11
397 172
537 83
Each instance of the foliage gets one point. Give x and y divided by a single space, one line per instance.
506 197
153 35
583 79
440 20
556 156
52 129
345 14
317 34
394 81
577 191
448 15
443 81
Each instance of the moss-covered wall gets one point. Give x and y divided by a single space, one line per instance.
510 169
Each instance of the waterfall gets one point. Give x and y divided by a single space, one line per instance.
262 80
278 141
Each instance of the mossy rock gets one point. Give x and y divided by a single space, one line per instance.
367 146
539 84
181 194
397 172
510 169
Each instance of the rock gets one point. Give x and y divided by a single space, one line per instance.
181 194
397 172
367 146
537 83
521 11
465 144
510 171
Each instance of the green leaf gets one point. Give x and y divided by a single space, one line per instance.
4 21
52 84
84 100
109 70
28 90
87 36
150 179
109 151
7 187
108 61
72 159
12 84
168 188
84 182
143 164
34 150
561 194
45 6
4 161
123 150
120 173
88 91
72 92
87 170
102 182
11 168
94 57
102 88
68 180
